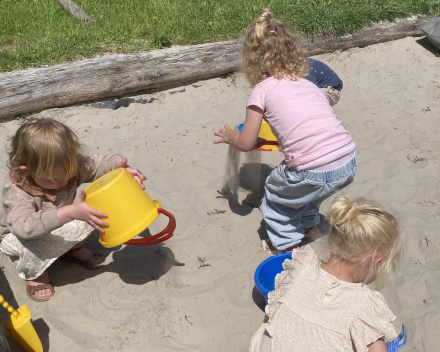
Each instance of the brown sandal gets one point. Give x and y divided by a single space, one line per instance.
31 290
90 264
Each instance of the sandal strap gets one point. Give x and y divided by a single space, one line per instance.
93 262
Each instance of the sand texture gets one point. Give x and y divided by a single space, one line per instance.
161 298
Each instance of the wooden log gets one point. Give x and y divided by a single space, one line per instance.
76 11
378 33
37 89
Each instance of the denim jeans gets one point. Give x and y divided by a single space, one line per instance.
292 199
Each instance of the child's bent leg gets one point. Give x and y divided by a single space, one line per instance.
310 216
283 224
286 197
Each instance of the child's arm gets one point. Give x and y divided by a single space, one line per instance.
245 140
21 217
377 346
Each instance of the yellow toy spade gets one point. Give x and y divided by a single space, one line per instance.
20 327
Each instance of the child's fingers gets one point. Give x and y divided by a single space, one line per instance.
139 182
99 222
96 227
219 141
97 213
141 176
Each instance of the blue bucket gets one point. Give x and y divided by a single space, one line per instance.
265 274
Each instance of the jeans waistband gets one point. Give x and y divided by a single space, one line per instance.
328 175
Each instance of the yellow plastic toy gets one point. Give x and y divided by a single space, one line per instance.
129 209
20 327
267 141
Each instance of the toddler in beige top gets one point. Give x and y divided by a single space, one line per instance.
327 306
40 219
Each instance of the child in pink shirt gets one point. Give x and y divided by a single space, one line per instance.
320 156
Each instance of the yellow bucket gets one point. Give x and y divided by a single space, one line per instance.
267 141
129 209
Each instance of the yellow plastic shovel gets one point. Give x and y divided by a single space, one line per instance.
20 327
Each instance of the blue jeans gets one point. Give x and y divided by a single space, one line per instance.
292 199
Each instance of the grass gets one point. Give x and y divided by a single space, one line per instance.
215 212
40 32
416 159
202 263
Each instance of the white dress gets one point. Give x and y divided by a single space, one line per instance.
311 310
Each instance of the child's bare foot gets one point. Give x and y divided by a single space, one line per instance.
267 247
312 233
39 289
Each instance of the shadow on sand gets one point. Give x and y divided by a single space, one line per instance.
251 178
135 265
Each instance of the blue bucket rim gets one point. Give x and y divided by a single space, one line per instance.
263 290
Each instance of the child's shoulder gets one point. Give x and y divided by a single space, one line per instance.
373 320
302 258
304 255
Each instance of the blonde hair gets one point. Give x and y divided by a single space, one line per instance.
361 231
44 146
271 49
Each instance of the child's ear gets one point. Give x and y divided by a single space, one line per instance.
22 168
377 260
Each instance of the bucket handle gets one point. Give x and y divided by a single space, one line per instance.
260 144
162 236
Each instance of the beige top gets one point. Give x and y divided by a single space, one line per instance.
311 310
31 216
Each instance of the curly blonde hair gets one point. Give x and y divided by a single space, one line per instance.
44 146
271 49
360 232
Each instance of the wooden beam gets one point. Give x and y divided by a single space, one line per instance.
378 33
37 89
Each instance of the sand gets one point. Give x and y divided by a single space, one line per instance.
160 298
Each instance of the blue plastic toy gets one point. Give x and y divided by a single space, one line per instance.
399 342
265 274
265 282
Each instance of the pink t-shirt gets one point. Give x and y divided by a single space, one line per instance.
301 118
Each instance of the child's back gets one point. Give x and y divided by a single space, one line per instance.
311 310
302 120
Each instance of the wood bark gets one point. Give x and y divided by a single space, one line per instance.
76 11
37 89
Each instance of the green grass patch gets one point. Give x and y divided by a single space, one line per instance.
41 32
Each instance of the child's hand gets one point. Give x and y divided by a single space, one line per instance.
136 174
79 210
225 134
